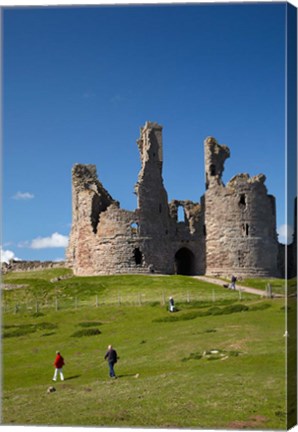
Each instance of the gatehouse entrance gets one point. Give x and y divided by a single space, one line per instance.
184 262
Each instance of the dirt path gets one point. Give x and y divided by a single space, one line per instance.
238 287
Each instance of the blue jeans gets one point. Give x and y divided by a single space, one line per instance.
111 366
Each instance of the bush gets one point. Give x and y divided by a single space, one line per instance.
192 356
19 331
23 330
211 311
260 306
90 324
86 332
235 308
46 326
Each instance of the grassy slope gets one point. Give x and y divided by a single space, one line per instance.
173 388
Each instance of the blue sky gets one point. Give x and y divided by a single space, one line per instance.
78 82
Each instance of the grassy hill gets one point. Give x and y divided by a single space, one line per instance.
218 362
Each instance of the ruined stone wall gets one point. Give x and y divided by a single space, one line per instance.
188 236
24 266
240 225
106 239
89 200
231 230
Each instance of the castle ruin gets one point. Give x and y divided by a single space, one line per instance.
232 230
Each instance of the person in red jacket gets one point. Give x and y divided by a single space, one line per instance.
58 363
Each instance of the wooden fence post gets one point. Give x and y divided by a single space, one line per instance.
268 290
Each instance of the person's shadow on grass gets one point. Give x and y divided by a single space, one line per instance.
72 377
127 375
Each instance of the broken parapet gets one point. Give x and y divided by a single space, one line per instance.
89 195
215 156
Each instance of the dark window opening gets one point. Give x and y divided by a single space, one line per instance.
242 201
138 256
204 230
95 212
212 170
160 208
240 259
245 229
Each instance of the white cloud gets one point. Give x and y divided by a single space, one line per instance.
285 234
7 255
56 240
23 196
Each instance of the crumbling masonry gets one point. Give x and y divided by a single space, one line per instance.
231 231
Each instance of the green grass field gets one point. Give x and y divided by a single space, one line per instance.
167 375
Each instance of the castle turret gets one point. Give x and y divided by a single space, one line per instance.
240 221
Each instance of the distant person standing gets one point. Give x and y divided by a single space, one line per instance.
112 357
58 363
171 304
233 282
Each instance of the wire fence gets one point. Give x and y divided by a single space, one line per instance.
35 306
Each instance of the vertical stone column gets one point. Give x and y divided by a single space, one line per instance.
215 156
152 197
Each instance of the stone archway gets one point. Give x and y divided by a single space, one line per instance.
184 262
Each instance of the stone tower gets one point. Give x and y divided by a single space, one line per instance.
152 198
240 221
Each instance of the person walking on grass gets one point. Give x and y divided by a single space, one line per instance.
171 304
58 363
112 357
233 282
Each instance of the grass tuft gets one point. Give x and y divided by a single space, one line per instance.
86 332
87 324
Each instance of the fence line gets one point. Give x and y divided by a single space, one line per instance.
137 299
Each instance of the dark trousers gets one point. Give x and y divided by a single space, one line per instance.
111 366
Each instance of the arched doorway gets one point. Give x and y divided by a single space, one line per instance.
184 262
138 256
